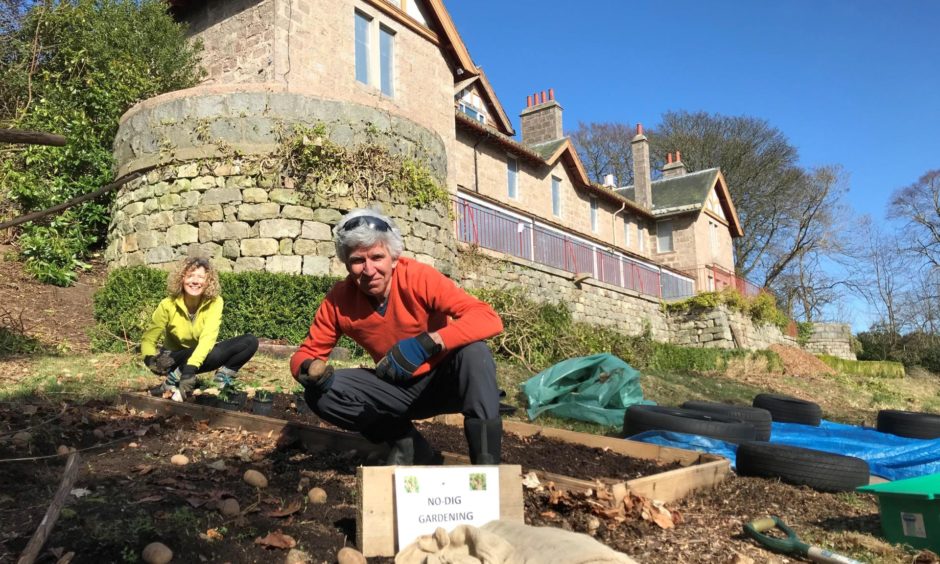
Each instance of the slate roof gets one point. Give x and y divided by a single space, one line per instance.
547 149
678 194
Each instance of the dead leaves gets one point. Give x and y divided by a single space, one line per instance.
277 539
616 504
289 509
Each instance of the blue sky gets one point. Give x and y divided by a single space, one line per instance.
850 82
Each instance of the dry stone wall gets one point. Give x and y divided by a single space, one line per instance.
632 313
241 216
834 339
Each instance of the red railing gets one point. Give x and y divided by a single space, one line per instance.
522 237
724 279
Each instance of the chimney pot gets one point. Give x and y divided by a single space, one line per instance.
678 156
639 129
551 93
542 97
668 158
528 101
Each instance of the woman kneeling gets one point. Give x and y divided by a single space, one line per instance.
189 321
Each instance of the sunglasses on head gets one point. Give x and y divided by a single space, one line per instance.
367 220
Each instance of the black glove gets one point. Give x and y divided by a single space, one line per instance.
316 373
405 357
160 363
187 380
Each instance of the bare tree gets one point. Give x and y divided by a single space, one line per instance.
879 274
918 205
604 149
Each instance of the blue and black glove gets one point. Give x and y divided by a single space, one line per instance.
405 357
187 381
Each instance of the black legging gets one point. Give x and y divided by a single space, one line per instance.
231 353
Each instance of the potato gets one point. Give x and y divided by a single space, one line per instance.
317 495
255 478
179 459
157 553
229 507
350 556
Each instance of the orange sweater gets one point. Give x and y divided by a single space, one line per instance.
420 299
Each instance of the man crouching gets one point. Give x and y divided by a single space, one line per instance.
425 335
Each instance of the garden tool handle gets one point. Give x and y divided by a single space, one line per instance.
790 545
817 554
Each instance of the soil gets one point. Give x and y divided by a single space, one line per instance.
129 493
59 318
798 362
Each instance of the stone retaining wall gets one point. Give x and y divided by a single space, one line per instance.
242 217
216 186
834 339
724 328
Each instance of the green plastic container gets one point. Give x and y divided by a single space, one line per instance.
910 510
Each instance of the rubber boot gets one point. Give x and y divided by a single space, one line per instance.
412 449
224 378
484 439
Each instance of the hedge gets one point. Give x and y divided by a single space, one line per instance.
275 306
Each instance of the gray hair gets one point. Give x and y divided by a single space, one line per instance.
369 232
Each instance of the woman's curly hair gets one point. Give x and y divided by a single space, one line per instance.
174 282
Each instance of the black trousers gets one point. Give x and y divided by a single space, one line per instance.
356 400
231 353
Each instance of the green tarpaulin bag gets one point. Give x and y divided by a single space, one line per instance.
596 388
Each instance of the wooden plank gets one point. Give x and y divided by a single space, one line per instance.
678 483
36 542
311 436
375 516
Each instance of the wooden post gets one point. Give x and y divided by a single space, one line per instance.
52 513
31 137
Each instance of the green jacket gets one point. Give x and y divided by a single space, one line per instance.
172 319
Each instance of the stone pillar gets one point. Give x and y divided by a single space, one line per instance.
642 182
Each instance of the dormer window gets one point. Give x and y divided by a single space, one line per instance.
472 112
469 103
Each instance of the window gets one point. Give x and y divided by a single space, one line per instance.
593 214
512 177
627 233
386 59
664 237
556 196
472 112
713 237
363 22
375 54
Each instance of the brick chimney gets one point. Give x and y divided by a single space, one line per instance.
541 119
674 167
642 183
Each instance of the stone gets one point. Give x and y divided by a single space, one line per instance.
326 248
280 228
285 247
129 243
305 247
283 196
316 231
258 247
151 205
206 213
203 183
181 235
240 182
136 208
231 249
229 230
255 212
316 266
254 195
180 185
160 220
189 199
222 196
249 264
169 201
326 215
188 170
297 212
284 264
149 239
160 254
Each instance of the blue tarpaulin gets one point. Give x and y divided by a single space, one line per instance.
888 456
